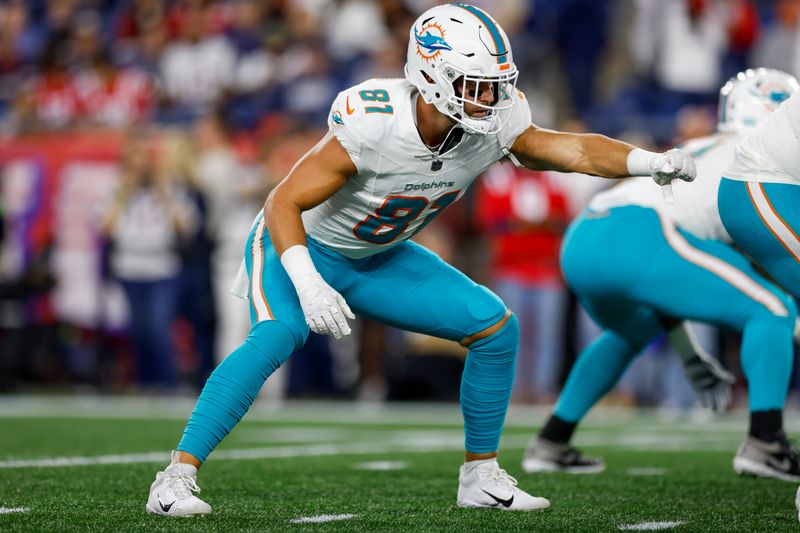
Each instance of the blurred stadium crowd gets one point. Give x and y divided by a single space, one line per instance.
138 139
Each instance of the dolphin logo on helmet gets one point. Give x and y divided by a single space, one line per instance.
431 42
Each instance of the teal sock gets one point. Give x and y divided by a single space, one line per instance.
486 387
234 385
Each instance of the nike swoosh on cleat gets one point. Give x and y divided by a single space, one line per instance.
165 508
504 503
784 464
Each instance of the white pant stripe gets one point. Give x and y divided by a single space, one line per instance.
777 226
743 282
256 288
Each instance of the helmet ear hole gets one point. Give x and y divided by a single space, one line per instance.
427 78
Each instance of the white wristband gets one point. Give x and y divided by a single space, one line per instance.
639 162
297 263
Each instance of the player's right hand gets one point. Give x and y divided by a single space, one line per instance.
325 310
710 381
671 165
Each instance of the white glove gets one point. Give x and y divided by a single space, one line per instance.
664 167
710 381
324 309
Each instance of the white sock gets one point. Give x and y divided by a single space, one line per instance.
471 465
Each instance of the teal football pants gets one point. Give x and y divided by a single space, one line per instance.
630 268
407 287
763 219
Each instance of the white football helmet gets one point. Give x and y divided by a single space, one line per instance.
452 47
750 96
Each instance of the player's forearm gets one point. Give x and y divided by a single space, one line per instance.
592 154
603 156
589 153
284 223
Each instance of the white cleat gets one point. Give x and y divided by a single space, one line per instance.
483 484
171 492
797 503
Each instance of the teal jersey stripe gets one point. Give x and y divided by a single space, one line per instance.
499 43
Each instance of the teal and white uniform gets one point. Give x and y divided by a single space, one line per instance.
633 259
759 198
359 242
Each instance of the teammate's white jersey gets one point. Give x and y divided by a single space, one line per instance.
695 206
399 186
771 152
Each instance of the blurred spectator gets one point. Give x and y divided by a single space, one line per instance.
113 97
524 215
145 53
682 44
196 302
345 16
49 100
145 226
779 46
582 27
86 41
198 69
233 196
17 35
693 122
135 17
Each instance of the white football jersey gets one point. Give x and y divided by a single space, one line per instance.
401 184
771 152
695 204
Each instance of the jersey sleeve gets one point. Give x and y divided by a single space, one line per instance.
517 120
343 124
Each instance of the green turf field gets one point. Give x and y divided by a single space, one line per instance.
86 464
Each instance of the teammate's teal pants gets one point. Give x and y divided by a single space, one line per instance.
630 267
763 219
406 286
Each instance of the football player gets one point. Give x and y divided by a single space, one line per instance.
333 239
760 193
655 262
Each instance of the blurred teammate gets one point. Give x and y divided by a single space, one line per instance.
655 263
334 236
760 194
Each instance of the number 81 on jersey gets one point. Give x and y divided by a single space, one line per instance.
397 212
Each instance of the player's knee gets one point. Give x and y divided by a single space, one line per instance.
289 333
507 328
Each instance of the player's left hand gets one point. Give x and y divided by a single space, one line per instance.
671 165
710 381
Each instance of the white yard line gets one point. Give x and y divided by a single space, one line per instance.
313 450
322 518
382 465
652 526
9 510
646 471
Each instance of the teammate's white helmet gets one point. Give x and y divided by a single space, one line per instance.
750 96
453 45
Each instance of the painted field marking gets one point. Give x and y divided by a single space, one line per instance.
651 526
322 518
382 465
9 510
646 471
